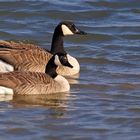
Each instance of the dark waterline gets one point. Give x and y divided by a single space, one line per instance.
104 102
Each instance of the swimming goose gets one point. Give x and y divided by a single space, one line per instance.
26 82
29 57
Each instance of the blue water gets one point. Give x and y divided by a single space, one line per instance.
104 102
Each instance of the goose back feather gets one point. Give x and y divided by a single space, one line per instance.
34 60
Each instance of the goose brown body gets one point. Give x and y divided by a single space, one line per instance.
25 59
30 57
30 83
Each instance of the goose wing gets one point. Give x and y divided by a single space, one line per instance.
19 45
25 59
27 82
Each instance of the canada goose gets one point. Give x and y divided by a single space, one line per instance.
26 82
29 57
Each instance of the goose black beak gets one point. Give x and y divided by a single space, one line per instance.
80 32
65 62
68 65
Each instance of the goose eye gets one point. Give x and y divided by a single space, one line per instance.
72 26
65 58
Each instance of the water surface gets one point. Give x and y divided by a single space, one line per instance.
104 102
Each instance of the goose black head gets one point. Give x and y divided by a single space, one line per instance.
68 28
64 28
60 59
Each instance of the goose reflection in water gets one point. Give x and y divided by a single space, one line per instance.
57 103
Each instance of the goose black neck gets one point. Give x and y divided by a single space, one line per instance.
57 42
51 68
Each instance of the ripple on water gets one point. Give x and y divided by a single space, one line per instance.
104 99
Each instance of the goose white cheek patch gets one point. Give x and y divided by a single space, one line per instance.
66 30
57 61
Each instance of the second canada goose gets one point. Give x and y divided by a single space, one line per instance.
23 82
29 57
